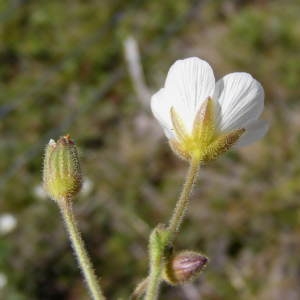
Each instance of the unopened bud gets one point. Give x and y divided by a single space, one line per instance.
183 267
61 174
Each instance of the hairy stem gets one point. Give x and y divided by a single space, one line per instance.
184 199
154 278
158 254
78 245
139 290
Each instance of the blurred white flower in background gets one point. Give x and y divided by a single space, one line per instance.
39 192
8 223
3 280
87 186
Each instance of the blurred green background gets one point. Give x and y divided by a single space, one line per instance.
63 70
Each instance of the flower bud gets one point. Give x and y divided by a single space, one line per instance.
61 174
183 267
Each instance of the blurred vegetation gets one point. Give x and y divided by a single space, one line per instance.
62 69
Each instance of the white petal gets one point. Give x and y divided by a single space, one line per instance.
241 100
161 109
189 82
52 142
254 132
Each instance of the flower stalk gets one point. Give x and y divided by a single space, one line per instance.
184 199
85 264
161 241
156 269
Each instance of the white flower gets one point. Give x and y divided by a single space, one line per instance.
229 108
7 223
3 280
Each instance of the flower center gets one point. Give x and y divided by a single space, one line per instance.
205 142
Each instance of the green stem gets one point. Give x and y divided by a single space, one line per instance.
184 199
139 290
79 249
154 278
157 253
